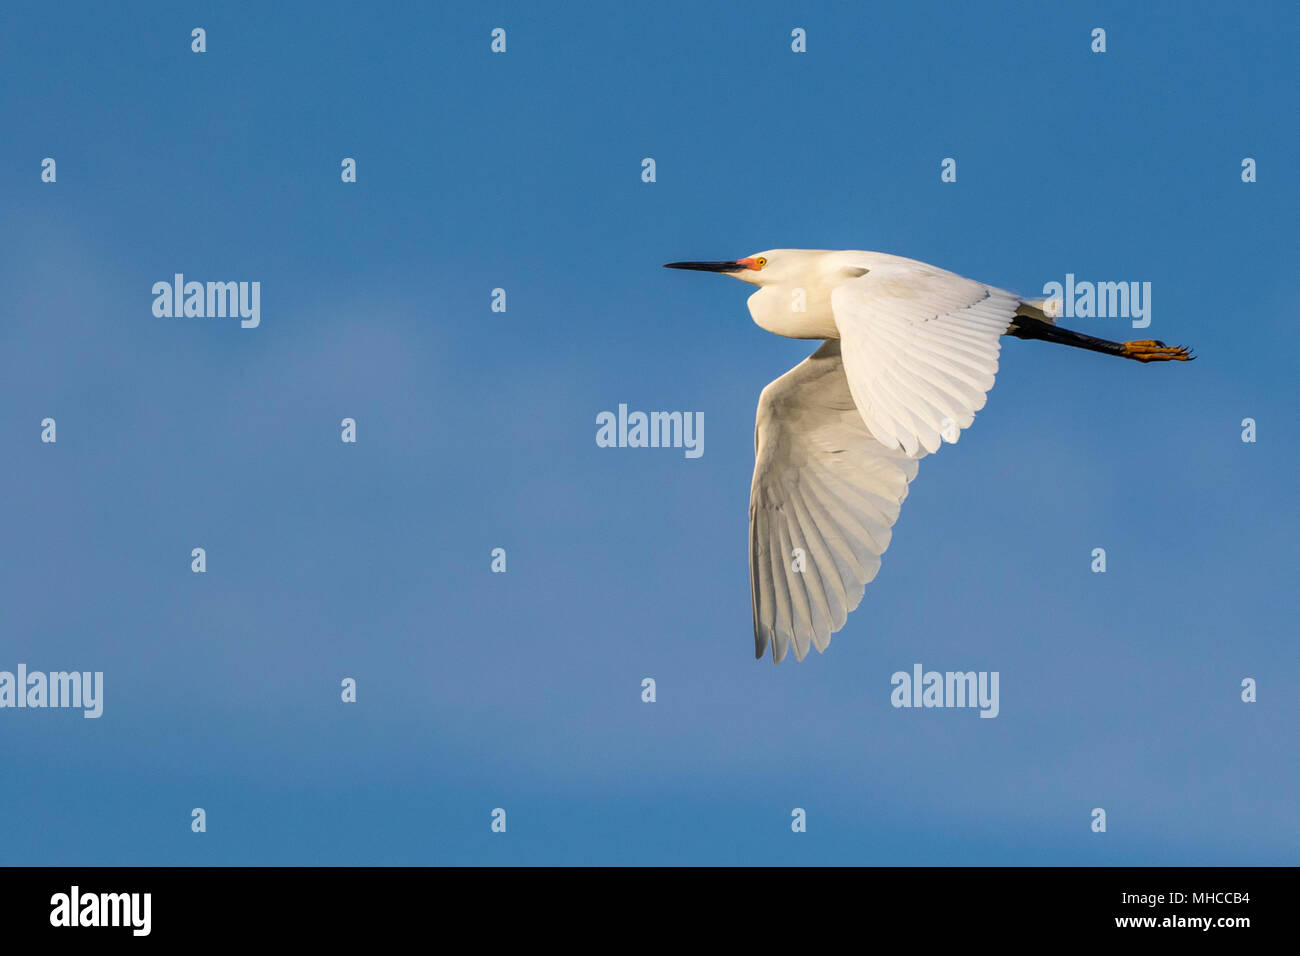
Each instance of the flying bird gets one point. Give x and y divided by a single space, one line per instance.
910 352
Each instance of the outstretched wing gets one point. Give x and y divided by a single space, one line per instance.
822 506
920 350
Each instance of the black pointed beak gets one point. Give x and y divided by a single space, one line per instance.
731 266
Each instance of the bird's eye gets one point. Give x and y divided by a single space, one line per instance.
761 261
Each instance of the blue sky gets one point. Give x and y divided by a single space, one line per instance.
476 431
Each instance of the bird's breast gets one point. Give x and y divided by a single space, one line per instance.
793 311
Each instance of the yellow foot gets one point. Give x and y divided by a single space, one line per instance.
1150 350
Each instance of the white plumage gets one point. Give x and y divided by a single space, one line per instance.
911 351
824 485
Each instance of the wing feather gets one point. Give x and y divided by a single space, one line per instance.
920 349
824 485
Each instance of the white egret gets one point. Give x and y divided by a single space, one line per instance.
910 351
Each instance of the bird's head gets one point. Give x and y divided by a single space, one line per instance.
762 268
